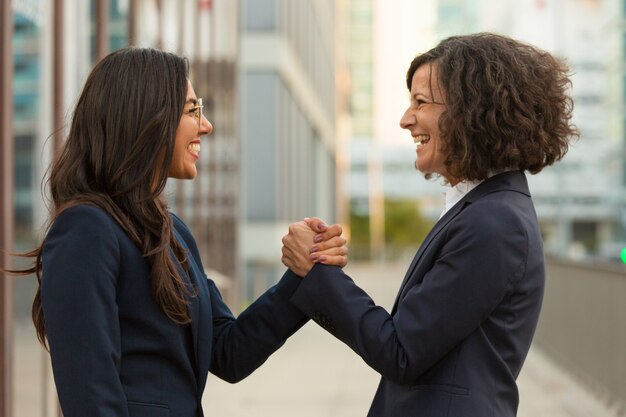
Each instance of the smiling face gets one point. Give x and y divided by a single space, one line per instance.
422 120
187 146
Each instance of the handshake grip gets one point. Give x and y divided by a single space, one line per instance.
311 241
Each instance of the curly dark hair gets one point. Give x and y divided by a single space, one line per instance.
507 104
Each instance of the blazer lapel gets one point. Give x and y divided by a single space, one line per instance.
438 227
203 329
510 180
198 312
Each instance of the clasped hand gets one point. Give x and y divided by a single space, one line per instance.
311 241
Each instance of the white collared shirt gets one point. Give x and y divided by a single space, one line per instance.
454 194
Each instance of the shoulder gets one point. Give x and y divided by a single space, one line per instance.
182 229
185 234
83 228
84 219
497 216
502 201
84 234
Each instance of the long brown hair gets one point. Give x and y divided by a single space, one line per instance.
507 104
117 157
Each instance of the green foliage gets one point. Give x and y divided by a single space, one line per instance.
359 235
405 229
404 224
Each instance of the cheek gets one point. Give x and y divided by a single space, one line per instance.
179 145
435 136
434 126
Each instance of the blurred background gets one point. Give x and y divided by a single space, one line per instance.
305 97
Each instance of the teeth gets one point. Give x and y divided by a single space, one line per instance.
421 139
194 147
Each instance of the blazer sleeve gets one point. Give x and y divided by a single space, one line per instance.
478 264
242 344
80 265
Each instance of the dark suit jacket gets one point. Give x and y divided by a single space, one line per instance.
114 352
465 314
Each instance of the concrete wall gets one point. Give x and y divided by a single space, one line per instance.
583 323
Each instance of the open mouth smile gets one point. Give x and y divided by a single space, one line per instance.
421 139
194 148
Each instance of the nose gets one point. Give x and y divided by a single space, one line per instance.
408 119
205 126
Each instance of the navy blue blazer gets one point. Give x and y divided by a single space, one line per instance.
465 314
115 353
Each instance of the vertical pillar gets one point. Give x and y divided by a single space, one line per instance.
58 105
132 23
376 202
58 46
161 21
102 29
6 208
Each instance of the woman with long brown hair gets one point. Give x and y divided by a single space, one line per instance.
132 323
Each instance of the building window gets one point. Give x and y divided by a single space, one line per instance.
260 15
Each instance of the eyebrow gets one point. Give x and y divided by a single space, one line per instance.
421 95
194 101
430 100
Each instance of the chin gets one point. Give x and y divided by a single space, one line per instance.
188 176
183 175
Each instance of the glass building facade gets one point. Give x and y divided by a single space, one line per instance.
26 106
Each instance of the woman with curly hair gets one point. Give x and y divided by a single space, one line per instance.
484 109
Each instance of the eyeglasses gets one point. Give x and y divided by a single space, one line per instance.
197 111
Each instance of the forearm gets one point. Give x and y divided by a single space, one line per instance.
337 304
243 344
